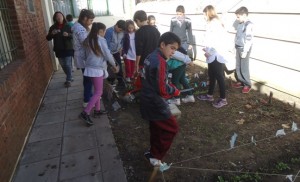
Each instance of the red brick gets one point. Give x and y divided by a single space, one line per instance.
22 82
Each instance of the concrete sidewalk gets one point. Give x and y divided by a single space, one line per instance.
61 147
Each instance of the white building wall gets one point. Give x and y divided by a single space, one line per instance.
274 63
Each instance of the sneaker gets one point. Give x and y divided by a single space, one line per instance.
220 103
175 101
246 89
188 98
86 118
67 84
237 85
84 104
206 97
97 114
153 161
128 80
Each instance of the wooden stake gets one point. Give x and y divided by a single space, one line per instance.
270 98
154 173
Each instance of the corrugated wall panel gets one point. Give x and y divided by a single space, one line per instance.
274 58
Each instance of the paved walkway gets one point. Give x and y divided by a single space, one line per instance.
61 147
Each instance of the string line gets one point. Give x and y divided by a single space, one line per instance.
226 150
229 171
296 176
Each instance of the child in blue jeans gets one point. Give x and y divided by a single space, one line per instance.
97 56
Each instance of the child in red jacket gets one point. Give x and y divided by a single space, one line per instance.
155 90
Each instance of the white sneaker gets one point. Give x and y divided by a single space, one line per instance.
174 101
128 80
155 162
188 98
84 104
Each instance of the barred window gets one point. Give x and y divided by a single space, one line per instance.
8 48
99 7
64 6
30 5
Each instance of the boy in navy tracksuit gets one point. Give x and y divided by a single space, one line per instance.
155 90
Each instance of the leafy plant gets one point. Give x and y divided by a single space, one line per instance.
221 179
247 177
295 160
281 166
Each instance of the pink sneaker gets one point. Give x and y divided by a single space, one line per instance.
246 89
237 85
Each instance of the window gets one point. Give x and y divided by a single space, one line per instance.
63 6
30 6
99 7
8 48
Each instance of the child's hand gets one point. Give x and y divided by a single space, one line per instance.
120 51
137 69
55 31
116 69
243 54
206 55
65 34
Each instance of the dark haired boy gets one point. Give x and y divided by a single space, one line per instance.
182 27
146 38
114 37
243 44
155 90
152 20
69 18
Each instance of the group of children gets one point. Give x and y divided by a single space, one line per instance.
153 57
216 53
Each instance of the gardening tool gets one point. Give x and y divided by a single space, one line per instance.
130 97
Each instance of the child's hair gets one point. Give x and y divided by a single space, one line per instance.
85 13
169 38
121 24
182 50
129 22
92 39
54 17
210 12
69 17
180 9
151 17
242 11
140 15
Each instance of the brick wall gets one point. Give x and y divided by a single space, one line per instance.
22 82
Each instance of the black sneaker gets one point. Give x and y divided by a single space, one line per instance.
97 114
148 155
67 84
86 118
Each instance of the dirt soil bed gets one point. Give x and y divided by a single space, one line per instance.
201 150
